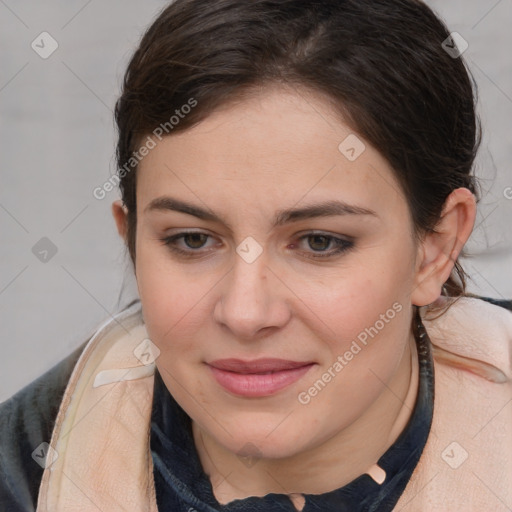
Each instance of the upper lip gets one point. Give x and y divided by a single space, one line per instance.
257 365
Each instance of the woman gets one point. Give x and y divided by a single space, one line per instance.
296 191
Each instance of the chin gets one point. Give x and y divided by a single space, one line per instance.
258 443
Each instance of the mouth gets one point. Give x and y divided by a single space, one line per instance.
259 377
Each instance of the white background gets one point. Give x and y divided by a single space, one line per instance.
57 144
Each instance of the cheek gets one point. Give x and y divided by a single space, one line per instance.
172 300
365 313
354 297
366 320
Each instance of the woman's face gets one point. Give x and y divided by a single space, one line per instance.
302 251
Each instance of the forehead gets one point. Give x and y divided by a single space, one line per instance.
279 146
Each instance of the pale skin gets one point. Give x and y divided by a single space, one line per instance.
245 163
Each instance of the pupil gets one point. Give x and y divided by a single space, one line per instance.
196 238
320 238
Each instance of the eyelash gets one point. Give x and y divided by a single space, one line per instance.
342 246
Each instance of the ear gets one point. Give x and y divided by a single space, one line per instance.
439 251
120 213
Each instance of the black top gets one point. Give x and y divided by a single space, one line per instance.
182 485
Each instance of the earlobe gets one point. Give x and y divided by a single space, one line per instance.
439 250
120 213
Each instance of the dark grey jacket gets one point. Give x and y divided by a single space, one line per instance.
26 421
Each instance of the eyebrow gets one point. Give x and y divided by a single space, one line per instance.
282 217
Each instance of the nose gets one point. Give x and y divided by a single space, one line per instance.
253 300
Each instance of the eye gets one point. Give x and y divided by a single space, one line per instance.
193 241
320 243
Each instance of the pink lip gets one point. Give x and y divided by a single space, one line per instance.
259 377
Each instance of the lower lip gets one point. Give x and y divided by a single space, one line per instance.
258 385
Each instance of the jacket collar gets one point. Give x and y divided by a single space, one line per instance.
99 454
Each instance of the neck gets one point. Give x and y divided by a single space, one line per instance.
345 456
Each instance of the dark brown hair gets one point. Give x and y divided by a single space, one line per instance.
381 62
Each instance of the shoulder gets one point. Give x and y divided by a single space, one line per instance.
464 454
26 421
475 334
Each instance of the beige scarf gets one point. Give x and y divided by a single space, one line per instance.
99 456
